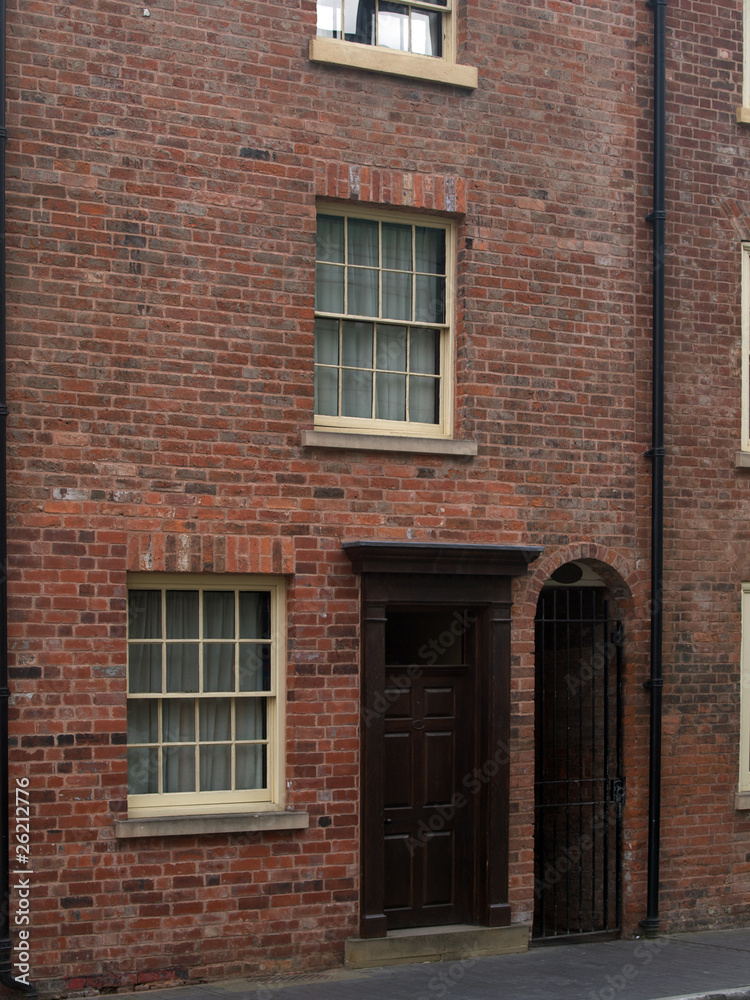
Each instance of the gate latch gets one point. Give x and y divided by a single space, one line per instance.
617 790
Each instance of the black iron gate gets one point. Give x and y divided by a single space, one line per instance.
579 784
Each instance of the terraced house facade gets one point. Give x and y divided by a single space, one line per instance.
354 583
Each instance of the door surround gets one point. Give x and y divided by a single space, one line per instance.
429 573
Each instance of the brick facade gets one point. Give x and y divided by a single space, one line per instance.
163 173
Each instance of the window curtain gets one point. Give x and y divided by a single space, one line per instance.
182 735
359 21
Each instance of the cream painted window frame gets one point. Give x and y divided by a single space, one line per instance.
743 786
379 59
743 113
394 428
181 804
745 361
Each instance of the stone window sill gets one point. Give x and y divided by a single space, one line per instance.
377 59
180 826
742 800
385 442
743 116
742 460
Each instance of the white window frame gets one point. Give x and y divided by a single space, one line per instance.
743 786
380 59
394 428
271 798
745 307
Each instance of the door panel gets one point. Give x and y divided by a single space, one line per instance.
428 749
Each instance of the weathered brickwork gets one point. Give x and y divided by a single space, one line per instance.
163 175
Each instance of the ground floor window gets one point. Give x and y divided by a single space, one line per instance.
744 782
205 678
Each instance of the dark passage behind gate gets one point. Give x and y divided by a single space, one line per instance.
579 784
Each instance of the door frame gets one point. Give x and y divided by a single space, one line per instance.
426 573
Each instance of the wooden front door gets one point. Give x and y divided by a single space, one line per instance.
435 728
429 736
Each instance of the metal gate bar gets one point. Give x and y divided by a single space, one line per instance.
579 787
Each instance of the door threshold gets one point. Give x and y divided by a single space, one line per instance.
450 943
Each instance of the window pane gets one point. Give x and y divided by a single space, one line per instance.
427 33
396 247
430 305
182 667
359 21
179 769
218 666
363 242
255 615
182 614
215 716
144 614
430 250
362 292
356 393
178 720
330 238
356 345
143 770
424 399
144 668
251 719
218 614
250 767
396 295
216 768
255 667
391 353
424 352
393 26
143 721
327 391
329 288
391 397
329 18
326 341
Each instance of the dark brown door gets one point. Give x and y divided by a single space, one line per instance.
429 812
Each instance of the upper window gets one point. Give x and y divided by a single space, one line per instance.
743 113
382 328
745 435
414 38
408 27
205 702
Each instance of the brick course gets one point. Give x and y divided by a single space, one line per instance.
162 182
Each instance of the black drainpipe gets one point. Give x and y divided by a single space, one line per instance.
655 683
6 946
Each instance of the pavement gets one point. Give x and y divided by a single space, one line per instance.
703 965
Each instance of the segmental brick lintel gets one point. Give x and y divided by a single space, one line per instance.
403 189
179 552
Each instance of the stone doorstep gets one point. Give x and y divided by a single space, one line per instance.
452 943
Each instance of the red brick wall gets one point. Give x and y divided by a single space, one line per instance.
163 173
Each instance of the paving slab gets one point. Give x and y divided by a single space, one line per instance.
706 965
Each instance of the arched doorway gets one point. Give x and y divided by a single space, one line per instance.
579 784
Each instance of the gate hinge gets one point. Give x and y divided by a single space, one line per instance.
618 636
617 790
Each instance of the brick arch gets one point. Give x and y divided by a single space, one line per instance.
627 586
630 591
